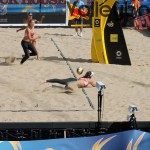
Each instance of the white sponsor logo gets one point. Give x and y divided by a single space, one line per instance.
3 9
110 24
96 21
118 53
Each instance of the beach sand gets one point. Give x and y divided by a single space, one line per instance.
23 99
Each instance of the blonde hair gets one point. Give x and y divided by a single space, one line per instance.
30 22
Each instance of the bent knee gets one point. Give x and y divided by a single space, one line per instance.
27 55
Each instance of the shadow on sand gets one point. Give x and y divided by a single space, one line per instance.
57 34
5 64
54 58
145 32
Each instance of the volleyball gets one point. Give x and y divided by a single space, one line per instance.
79 70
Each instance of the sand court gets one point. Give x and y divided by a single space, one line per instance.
21 91
20 87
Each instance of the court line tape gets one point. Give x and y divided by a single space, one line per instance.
41 110
83 90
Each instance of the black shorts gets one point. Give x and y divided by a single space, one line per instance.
27 47
78 21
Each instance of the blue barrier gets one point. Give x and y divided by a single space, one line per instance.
127 140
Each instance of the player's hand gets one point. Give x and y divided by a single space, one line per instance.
38 37
42 82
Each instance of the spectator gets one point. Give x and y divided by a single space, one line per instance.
136 6
79 4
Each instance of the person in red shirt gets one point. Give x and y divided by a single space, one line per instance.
136 6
